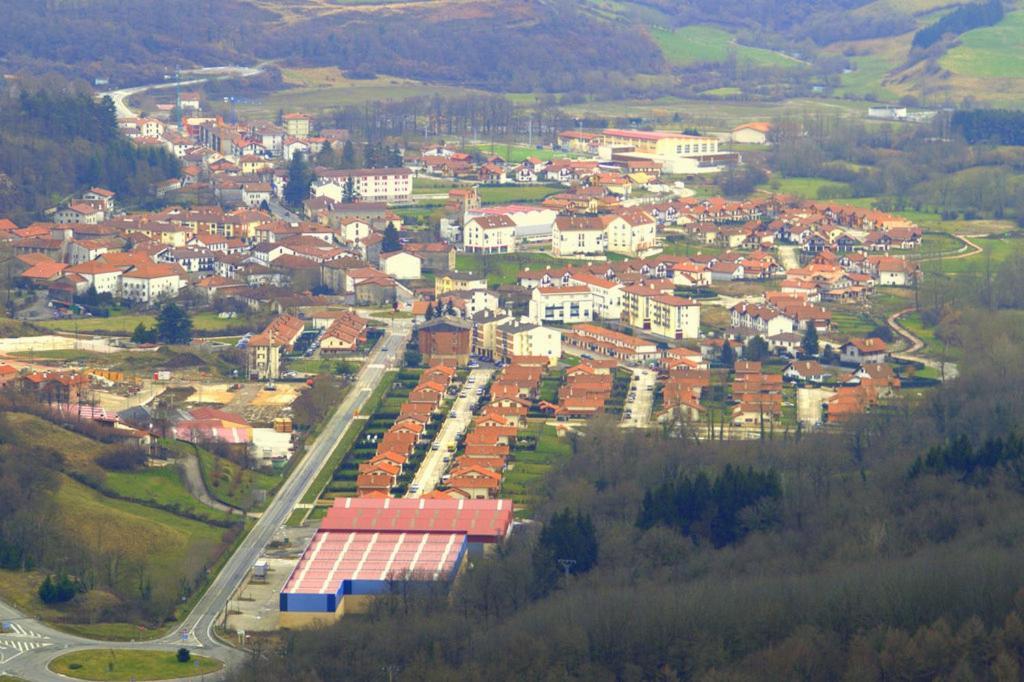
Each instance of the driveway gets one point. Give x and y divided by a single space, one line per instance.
458 420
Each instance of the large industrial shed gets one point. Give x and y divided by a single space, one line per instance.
364 545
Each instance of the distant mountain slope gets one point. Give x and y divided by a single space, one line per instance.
751 49
505 44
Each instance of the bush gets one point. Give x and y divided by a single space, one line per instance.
127 458
184 656
59 590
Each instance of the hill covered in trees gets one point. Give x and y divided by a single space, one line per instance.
56 141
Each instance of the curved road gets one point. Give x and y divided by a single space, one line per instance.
209 73
27 646
947 370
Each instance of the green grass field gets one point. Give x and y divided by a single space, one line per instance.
165 547
866 78
206 323
504 268
694 44
531 465
515 153
805 188
353 431
120 664
516 194
991 52
161 485
998 249
34 433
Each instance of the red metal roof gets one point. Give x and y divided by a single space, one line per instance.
481 520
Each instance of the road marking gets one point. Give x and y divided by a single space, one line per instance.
20 639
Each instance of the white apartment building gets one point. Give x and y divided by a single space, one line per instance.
562 305
489 234
653 309
519 338
579 236
148 283
534 224
632 233
607 295
388 185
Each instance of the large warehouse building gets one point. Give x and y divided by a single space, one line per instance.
364 545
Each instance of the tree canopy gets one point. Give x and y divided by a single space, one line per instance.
173 325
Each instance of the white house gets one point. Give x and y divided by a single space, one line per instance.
752 133
533 223
103 277
401 265
79 213
255 193
352 230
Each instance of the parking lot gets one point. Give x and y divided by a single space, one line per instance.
636 412
458 420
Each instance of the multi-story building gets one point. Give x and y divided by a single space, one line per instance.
389 185
297 125
518 338
489 234
676 152
653 308
562 305
631 233
579 236
151 282
607 295
485 326
265 350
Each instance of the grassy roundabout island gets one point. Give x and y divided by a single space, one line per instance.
121 664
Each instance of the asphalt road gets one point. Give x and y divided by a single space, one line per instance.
642 385
458 420
121 96
27 655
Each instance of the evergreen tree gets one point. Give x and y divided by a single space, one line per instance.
728 355
371 155
348 155
809 344
326 155
449 308
173 325
439 309
142 334
391 242
430 311
395 157
349 195
300 179
756 350
566 537
828 356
